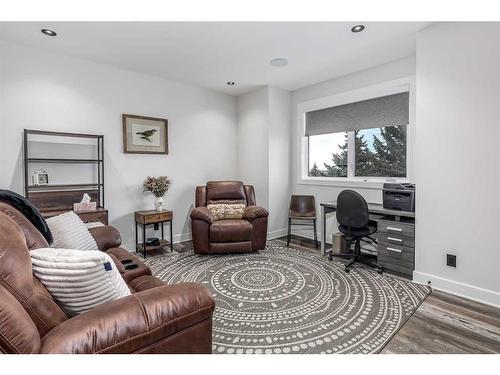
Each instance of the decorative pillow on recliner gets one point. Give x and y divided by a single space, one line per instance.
70 232
225 211
78 280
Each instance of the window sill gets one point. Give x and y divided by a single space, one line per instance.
360 184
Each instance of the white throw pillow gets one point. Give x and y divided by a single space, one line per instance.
78 280
70 232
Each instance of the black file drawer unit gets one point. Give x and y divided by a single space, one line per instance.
396 245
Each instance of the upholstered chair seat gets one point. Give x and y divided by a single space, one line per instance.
231 231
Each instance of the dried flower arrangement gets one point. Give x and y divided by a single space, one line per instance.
157 185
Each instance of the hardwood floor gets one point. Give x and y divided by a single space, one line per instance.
444 323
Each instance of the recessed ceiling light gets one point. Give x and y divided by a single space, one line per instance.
357 28
230 83
48 32
279 61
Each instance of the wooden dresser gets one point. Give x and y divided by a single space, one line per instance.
99 215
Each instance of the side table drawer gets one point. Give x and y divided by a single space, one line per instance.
155 218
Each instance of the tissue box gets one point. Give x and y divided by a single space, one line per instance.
82 207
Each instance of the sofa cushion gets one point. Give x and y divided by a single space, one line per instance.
70 232
230 247
223 211
78 280
230 231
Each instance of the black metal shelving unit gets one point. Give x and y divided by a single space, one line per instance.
98 161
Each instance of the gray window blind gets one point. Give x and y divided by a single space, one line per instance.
379 112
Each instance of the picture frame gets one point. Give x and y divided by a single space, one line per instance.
40 177
145 135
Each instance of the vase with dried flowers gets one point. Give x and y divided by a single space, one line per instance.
159 187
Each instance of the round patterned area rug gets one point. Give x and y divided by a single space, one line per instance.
284 300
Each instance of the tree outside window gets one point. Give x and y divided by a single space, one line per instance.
378 152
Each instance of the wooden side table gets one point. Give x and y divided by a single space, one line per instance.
144 218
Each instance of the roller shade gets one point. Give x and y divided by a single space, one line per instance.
379 112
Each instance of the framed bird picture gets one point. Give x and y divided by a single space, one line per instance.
145 135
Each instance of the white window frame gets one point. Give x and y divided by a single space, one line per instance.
371 92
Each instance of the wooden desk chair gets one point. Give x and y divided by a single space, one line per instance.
303 208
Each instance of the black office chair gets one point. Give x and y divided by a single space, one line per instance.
354 222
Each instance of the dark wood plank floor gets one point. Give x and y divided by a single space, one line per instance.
443 324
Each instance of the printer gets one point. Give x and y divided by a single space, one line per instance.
399 196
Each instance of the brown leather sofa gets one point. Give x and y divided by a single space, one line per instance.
156 318
212 236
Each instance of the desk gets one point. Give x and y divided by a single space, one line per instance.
396 233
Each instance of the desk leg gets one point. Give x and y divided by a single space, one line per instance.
171 238
144 240
136 239
323 230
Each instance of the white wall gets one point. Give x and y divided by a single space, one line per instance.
457 158
264 150
40 90
362 79
253 142
279 159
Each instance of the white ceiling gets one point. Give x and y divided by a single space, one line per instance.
209 54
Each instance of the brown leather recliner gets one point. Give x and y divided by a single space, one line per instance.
212 236
156 318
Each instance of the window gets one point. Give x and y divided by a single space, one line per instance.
375 152
364 140
328 155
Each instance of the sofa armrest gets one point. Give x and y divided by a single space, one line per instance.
202 213
106 237
132 323
254 212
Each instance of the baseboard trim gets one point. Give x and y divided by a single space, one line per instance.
307 234
474 293
271 235
182 237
